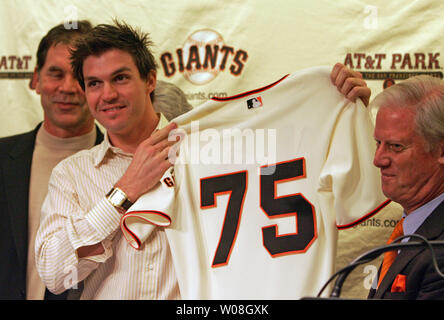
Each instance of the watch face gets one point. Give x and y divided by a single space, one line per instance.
117 198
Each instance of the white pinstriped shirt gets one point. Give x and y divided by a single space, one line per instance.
76 214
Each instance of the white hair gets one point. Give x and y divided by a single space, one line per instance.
425 96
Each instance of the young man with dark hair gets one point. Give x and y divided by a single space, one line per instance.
80 230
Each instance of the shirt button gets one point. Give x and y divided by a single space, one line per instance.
150 267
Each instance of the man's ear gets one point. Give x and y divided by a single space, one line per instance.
151 81
34 80
441 150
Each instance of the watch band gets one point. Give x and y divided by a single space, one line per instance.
126 204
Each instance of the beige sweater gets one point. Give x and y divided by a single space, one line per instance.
48 152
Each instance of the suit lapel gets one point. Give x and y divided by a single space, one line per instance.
99 136
431 228
16 171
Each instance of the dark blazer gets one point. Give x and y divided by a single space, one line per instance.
412 272
15 169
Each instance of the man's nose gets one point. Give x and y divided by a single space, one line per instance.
70 84
381 158
109 92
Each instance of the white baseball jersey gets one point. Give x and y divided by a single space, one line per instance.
263 183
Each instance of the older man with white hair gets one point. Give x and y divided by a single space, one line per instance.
409 134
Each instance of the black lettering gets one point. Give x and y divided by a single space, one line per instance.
168 64
180 58
226 51
193 58
211 56
238 62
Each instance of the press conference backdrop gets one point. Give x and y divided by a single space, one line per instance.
258 42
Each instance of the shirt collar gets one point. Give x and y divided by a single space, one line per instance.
106 147
415 219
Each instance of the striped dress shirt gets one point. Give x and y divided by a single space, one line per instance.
76 213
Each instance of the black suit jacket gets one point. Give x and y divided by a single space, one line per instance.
422 282
15 170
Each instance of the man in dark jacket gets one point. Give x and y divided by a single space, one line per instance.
26 161
409 134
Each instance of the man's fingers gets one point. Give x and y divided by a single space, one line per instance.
360 92
164 144
165 159
350 84
335 71
161 134
340 73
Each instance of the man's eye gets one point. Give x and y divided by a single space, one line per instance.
91 84
397 147
56 75
121 77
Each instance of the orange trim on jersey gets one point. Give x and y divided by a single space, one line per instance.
139 243
365 217
248 93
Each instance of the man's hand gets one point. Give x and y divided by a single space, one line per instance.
149 163
350 83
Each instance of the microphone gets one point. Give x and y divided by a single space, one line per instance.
374 253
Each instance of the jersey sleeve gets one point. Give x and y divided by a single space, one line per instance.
150 210
349 182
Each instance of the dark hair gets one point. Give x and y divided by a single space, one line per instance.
60 34
120 36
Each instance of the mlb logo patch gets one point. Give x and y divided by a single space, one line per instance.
254 102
